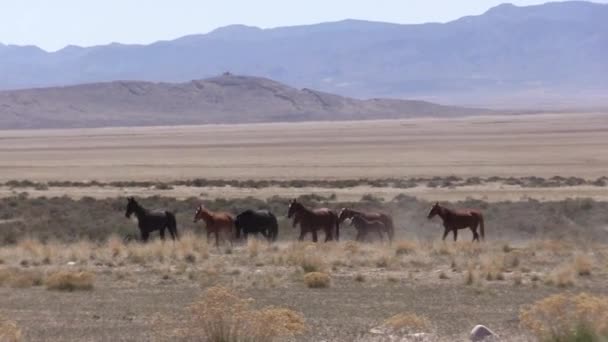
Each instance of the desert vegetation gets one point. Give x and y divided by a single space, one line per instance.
486 272
70 220
399 183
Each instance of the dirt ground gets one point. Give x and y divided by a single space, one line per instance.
539 145
141 291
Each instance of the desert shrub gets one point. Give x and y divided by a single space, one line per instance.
566 317
312 263
405 247
408 323
317 280
18 278
370 198
221 315
9 331
583 265
70 281
563 276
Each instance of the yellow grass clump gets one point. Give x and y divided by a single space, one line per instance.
583 265
563 276
404 247
408 323
567 317
9 331
317 280
70 281
221 315
18 278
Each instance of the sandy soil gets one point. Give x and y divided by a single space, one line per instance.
539 145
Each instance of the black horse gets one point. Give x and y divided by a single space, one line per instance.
150 221
257 221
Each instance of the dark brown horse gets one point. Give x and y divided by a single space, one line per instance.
215 223
347 213
365 226
314 220
453 220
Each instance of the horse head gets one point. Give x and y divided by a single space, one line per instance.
344 214
294 206
435 210
200 214
131 206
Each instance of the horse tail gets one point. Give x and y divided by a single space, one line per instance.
481 227
390 228
274 228
237 227
172 223
337 229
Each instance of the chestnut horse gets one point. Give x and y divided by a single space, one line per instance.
313 220
347 213
453 220
216 223
365 226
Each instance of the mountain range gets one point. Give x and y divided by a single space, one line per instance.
534 54
223 99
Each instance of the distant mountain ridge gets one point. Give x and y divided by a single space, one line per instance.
557 48
223 99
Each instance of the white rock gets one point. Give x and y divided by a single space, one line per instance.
71 263
482 333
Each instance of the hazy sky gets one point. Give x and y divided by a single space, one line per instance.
52 24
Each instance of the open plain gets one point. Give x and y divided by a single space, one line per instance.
67 275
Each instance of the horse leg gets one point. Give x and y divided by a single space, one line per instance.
208 236
328 235
145 235
314 236
162 233
455 231
379 234
358 238
445 233
302 234
217 238
475 235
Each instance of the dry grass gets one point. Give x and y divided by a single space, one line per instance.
566 317
70 281
9 331
583 265
404 247
317 280
19 278
408 323
221 315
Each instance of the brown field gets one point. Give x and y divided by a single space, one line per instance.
144 292
106 290
542 145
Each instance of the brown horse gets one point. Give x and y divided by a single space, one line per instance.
216 223
364 226
453 220
313 220
389 229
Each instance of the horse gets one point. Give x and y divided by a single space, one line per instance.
386 219
364 226
215 223
149 221
257 221
313 220
453 220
